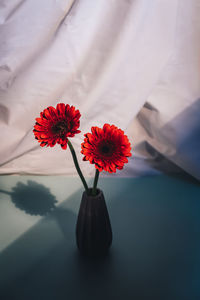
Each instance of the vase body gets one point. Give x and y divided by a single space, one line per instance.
93 228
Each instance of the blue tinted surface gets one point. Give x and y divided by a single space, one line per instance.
155 252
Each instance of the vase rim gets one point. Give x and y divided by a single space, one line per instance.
99 193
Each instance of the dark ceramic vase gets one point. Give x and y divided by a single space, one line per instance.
93 229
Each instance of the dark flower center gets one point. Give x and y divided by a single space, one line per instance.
107 148
60 128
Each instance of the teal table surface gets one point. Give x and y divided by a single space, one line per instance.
155 252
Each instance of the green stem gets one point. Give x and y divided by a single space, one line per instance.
77 166
94 190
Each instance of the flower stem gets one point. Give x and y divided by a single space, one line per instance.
77 166
94 190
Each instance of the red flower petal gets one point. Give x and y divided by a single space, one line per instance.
55 125
60 109
107 148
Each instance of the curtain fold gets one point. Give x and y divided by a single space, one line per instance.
108 59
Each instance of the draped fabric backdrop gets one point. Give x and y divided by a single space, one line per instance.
132 63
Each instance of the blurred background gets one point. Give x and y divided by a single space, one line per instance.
132 63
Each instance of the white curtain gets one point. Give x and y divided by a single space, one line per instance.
132 63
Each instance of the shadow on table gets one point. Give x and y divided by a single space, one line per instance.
155 252
33 198
44 260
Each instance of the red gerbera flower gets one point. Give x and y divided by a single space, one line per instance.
107 148
55 125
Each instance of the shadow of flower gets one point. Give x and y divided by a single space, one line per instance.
33 198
